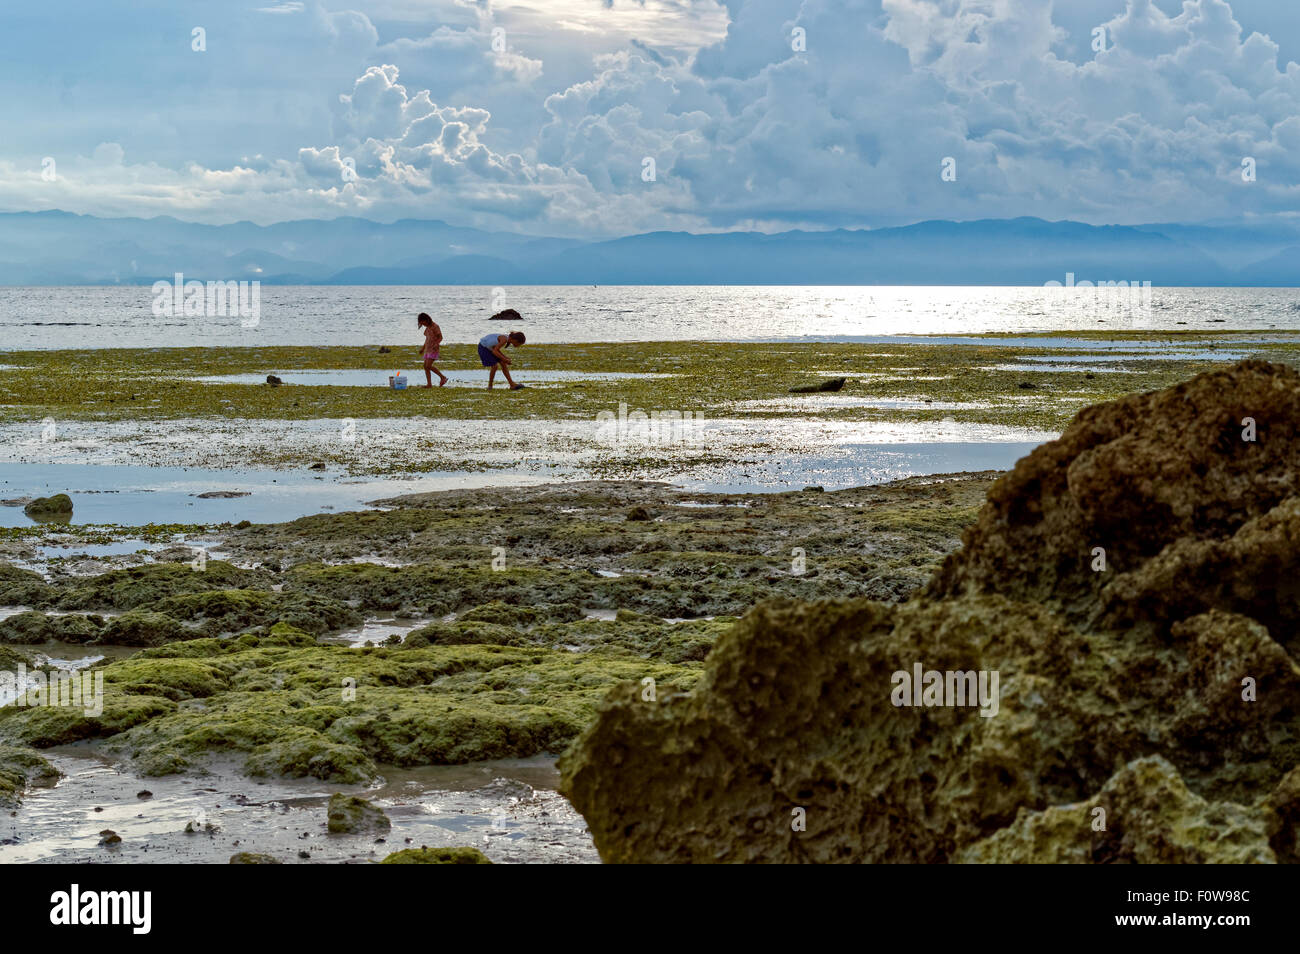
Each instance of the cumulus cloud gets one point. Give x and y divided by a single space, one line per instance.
749 128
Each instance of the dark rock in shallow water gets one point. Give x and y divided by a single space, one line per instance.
349 814
1122 614
272 380
437 856
253 858
830 384
58 505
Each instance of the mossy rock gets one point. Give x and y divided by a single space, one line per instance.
58 505
20 587
135 586
216 612
10 659
335 713
145 628
19 768
44 726
253 858
352 815
32 628
465 632
437 856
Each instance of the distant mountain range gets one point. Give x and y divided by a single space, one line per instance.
60 248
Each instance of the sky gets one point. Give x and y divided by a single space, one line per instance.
598 118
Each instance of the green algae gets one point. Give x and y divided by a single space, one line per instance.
10 659
162 383
59 505
629 634
31 628
335 713
437 856
135 586
19 768
351 814
20 587
212 613
232 668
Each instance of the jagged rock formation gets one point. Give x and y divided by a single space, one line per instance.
1133 585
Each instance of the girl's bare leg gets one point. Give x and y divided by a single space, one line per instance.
428 378
440 375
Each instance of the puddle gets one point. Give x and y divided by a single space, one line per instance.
55 551
1200 355
778 452
820 402
130 495
854 465
1076 368
375 631
507 809
364 378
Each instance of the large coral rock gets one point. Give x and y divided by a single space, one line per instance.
1144 815
1159 683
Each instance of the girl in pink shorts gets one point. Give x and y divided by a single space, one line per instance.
432 339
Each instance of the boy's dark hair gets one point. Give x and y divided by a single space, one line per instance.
517 337
423 319
508 315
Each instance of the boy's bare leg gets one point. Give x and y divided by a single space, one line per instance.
492 375
506 371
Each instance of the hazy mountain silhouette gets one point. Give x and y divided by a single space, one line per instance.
60 248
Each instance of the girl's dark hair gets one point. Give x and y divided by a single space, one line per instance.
508 315
517 337
423 319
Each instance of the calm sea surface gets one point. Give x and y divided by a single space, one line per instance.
123 316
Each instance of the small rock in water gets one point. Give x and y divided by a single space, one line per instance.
109 837
144 794
830 384
223 494
638 513
254 858
272 380
437 856
57 505
349 814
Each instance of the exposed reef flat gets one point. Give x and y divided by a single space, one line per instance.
507 616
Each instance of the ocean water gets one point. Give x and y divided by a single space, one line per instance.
123 316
